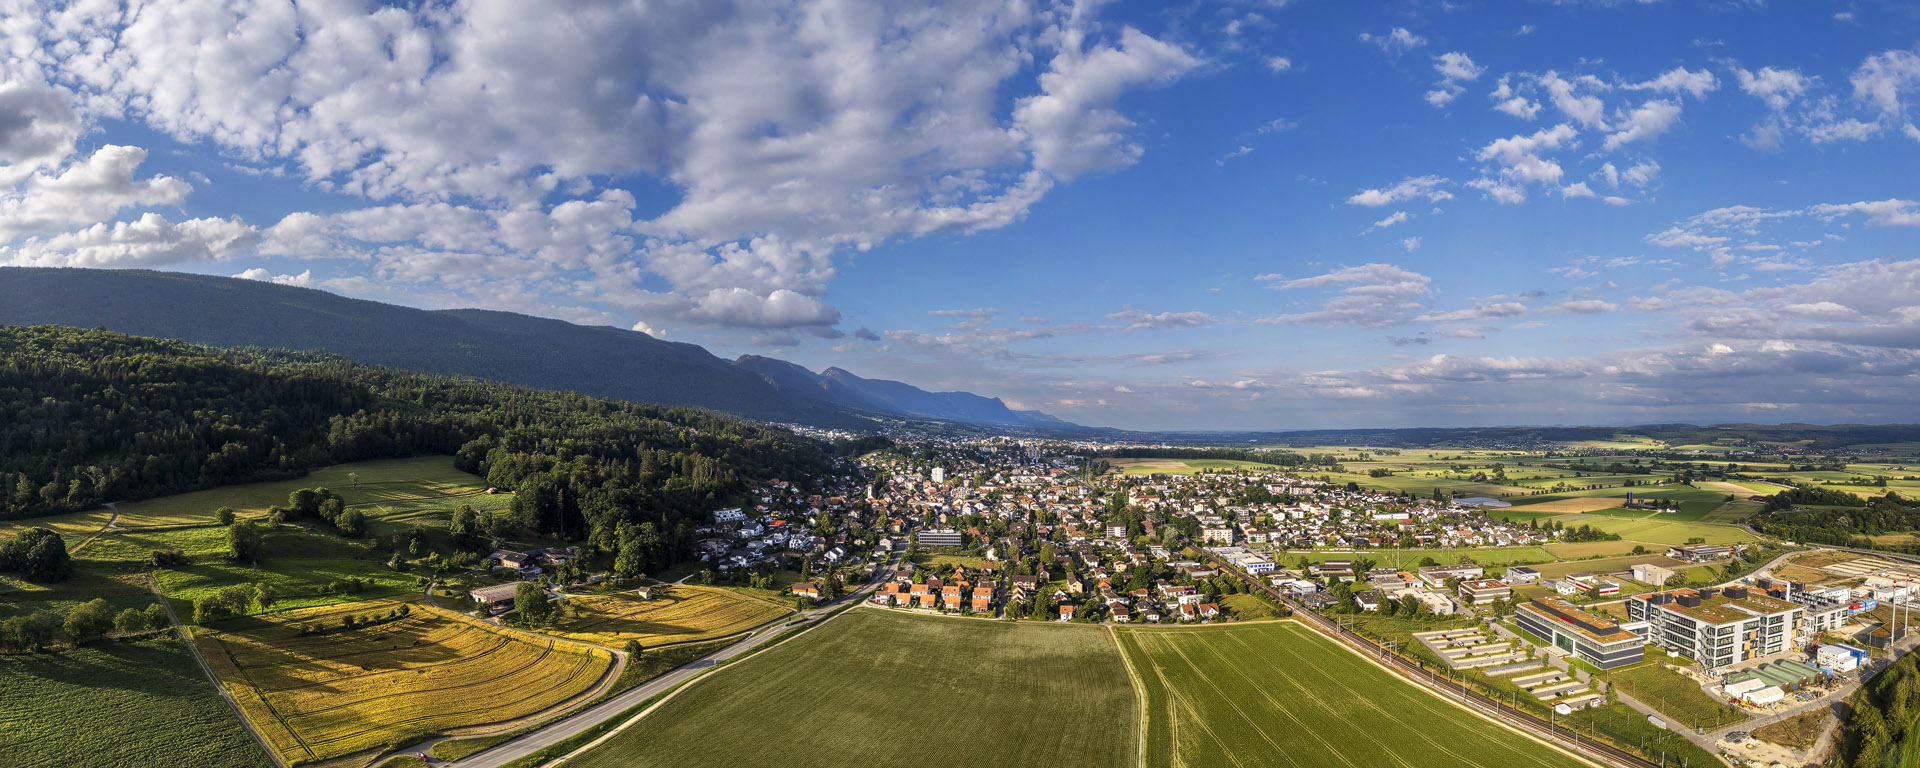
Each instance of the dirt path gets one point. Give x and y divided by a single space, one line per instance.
186 636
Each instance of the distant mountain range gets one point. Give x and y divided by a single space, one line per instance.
502 346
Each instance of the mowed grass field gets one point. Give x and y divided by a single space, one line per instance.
1278 695
423 480
348 690
402 488
881 688
677 614
138 703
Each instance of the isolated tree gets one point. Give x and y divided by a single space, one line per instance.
244 541
352 523
38 554
90 620
225 515
530 603
264 595
633 648
130 622
157 617
28 633
305 502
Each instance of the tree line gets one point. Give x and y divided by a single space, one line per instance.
104 416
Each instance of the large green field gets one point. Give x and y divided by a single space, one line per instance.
1277 694
136 703
875 687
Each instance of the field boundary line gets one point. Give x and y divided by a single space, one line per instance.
186 637
704 675
1139 691
1584 760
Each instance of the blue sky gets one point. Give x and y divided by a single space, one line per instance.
1204 216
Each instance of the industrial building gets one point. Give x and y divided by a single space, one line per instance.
1485 591
1718 627
1593 639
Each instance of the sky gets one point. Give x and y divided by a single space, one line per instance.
1153 215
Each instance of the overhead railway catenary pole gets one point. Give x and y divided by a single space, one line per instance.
1442 684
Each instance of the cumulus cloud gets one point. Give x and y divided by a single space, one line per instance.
1519 163
149 241
1369 296
791 133
1644 123
1454 68
1681 80
303 280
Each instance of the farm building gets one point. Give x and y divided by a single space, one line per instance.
495 597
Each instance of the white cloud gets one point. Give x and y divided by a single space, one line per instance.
1397 217
1644 123
1881 213
1681 80
1277 64
1454 68
1777 87
303 280
1508 99
1370 296
1406 189
149 241
1398 40
85 192
1850 129
791 133
1071 124
1574 98
1137 320
1884 79
1411 244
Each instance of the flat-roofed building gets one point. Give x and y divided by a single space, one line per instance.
939 537
1485 591
1521 574
1437 575
1718 627
1648 573
1594 639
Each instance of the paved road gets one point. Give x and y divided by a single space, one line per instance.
575 724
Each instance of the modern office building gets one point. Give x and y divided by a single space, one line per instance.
939 537
1593 639
1718 627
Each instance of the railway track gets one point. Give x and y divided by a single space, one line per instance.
1453 689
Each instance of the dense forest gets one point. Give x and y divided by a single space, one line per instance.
1884 715
1847 519
96 416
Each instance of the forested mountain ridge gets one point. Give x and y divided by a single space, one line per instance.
500 346
99 416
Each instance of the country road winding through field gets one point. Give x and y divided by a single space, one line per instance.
572 725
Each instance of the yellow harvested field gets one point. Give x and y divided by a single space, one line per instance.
1821 558
676 614
344 691
1583 504
1735 488
390 481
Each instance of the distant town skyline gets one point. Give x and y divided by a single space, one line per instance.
1239 215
